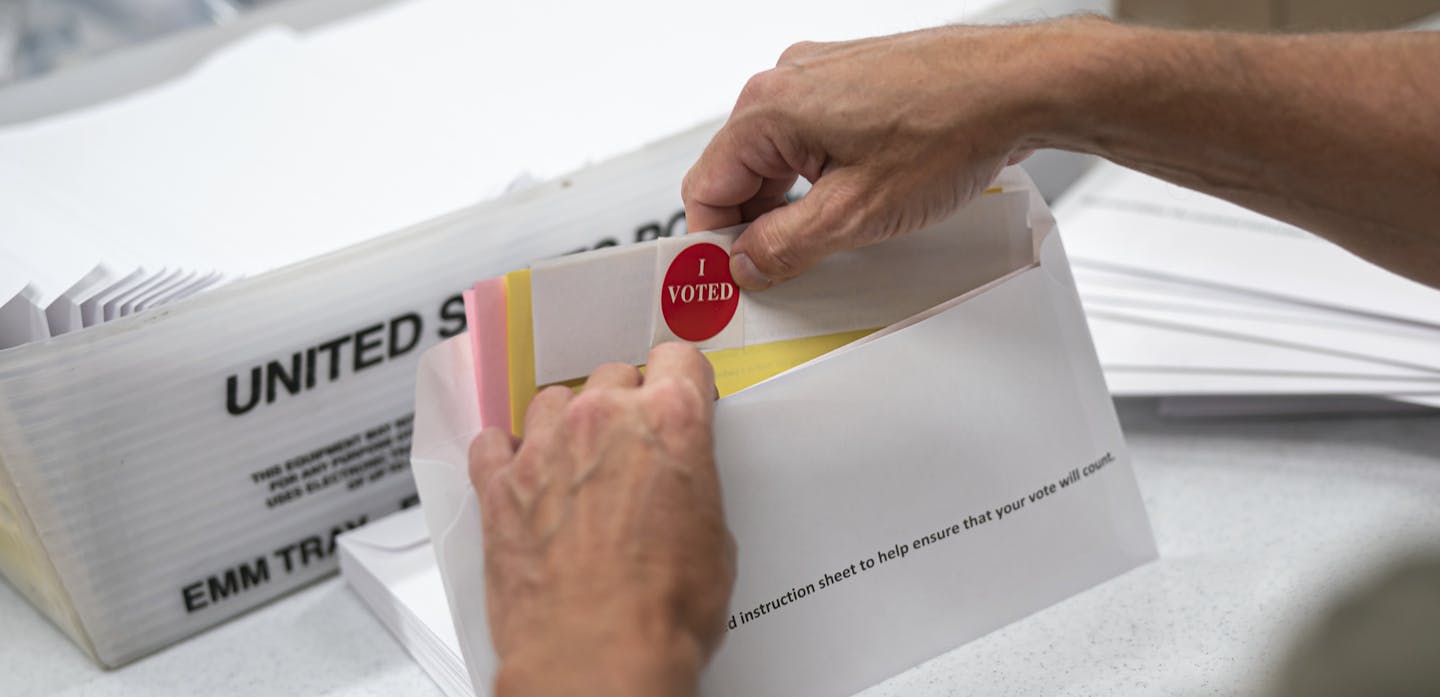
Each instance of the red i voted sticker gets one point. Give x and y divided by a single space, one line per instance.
698 297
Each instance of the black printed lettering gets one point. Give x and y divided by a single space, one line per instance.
232 393
452 317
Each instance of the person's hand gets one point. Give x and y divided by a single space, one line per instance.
894 132
608 564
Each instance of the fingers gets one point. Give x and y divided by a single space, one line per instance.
746 169
683 363
744 175
546 412
490 452
717 184
772 195
786 241
617 375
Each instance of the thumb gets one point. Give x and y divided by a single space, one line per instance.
788 240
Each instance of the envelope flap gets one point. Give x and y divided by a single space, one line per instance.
393 533
447 417
447 414
446 420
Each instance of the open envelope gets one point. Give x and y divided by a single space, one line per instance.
952 472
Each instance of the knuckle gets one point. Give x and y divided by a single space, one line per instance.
781 257
846 215
557 394
497 495
587 406
797 50
676 349
588 412
677 400
481 458
692 363
687 186
491 448
616 367
759 88
698 182
490 495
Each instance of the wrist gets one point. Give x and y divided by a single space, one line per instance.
1077 76
607 663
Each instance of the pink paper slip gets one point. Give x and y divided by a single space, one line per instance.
485 316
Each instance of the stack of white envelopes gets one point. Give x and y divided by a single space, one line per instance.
1223 310
391 565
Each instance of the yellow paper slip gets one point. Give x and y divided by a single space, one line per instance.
735 369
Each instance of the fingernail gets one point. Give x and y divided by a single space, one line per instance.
746 275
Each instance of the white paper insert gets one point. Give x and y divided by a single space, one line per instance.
609 298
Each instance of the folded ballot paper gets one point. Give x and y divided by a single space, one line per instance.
915 441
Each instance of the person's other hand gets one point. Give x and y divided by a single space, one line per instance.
608 564
894 133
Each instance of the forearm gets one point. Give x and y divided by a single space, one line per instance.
1337 134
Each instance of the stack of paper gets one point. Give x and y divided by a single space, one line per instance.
57 281
1190 296
391 565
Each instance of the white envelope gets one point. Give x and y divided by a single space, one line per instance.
22 320
913 433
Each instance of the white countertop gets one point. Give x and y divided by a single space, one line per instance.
1259 523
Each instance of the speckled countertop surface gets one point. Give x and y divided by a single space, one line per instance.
1259 522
